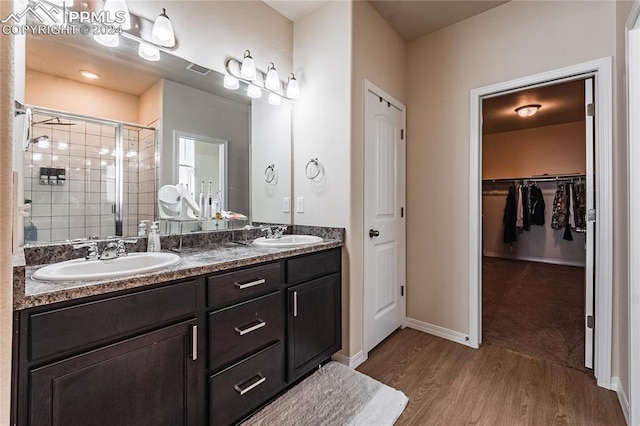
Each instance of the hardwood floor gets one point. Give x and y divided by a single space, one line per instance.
450 384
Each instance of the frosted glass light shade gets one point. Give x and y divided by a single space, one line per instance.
254 92
109 40
274 99
148 52
231 83
162 32
293 90
118 10
272 82
527 110
248 68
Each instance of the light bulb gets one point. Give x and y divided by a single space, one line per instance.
118 13
527 110
148 52
230 82
109 40
293 90
272 82
248 68
274 99
254 92
162 32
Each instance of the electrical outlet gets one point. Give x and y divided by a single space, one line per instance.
300 205
286 205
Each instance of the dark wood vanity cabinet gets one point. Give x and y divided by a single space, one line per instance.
208 350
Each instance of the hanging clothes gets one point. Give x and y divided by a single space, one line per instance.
579 207
536 205
519 212
567 224
559 215
526 212
509 217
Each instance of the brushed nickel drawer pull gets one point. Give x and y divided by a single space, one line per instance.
242 391
194 342
248 284
295 303
243 331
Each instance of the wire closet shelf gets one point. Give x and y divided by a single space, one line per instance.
538 178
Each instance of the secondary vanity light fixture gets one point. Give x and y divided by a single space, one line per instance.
148 52
162 32
108 40
248 68
293 90
272 82
527 110
118 9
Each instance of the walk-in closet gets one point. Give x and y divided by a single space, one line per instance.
537 157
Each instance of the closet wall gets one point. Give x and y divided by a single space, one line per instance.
557 149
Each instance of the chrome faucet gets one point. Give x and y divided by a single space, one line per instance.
267 229
92 249
279 231
274 233
112 250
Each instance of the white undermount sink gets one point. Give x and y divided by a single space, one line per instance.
87 270
287 241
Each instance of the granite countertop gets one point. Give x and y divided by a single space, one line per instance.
194 261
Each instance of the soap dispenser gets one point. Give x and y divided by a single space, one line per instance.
153 241
202 202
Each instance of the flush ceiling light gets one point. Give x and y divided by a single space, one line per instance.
90 74
293 90
272 82
274 99
117 9
162 32
109 40
248 68
148 52
527 110
254 92
231 83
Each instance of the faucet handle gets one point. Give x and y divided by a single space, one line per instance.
92 249
268 230
122 245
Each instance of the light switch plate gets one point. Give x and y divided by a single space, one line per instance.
300 205
286 205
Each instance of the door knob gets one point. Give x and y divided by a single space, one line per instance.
373 233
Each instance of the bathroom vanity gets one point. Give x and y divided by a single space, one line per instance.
206 342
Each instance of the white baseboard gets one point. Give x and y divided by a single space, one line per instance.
616 385
351 362
535 259
436 330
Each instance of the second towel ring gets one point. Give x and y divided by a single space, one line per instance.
270 173
310 173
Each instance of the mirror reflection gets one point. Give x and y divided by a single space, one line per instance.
112 142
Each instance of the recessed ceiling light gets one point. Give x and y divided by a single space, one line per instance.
527 110
90 74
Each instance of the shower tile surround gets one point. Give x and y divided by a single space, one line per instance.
83 206
203 252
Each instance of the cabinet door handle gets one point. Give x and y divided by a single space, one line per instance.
242 391
295 303
194 342
248 284
243 331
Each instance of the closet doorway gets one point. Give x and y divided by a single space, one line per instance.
537 244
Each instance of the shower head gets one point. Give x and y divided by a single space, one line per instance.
54 121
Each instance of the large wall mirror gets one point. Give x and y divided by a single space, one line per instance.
111 142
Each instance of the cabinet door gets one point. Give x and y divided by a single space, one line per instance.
146 380
313 326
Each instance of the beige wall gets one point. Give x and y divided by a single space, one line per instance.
61 94
514 40
557 149
380 56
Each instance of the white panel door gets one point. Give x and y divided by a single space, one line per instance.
384 223
589 315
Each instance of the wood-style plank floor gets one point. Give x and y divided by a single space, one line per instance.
450 384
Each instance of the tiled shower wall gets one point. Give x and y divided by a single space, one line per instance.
84 206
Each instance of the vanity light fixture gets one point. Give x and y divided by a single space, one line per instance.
254 91
293 90
109 40
275 99
230 82
148 52
162 32
272 82
248 68
90 74
527 110
112 7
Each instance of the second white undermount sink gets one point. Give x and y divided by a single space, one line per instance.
287 241
87 270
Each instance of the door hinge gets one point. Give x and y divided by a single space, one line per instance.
590 322
401 134
591 109
401 211
401 290
591 215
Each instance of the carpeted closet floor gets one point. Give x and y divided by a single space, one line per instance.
534 308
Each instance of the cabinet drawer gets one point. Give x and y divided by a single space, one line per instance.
241 329
315 265
244 284
240 389
91 324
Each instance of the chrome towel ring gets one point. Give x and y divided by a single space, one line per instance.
270 173
314 169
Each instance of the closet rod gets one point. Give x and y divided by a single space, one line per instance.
537 178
